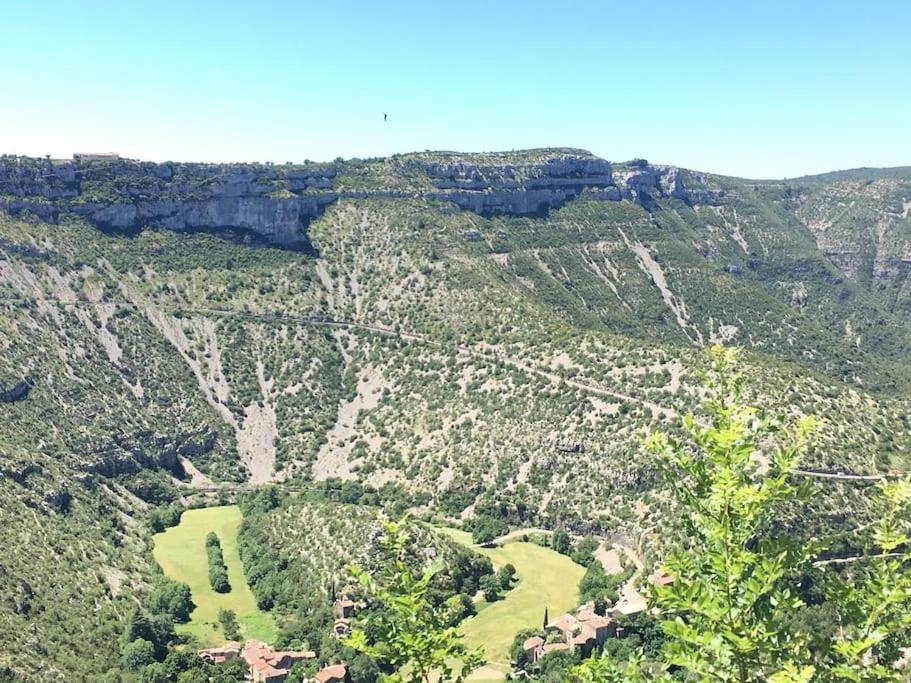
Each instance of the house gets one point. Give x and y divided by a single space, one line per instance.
217 655
341 628
533 648
554 647
263 672
336 673
96 156
584 630
269 666
570 446
343 608
661 578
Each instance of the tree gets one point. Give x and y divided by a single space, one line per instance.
218 572
729 614
406 630
458 607
155 673
231 671
137 654
597 585
561 542
490 587
584 552
227 619
505 576
487 528
363 669
171 598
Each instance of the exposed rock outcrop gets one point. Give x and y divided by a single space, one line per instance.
277 203
127 454
501 185
643 183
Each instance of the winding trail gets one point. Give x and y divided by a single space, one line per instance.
322 321
516 533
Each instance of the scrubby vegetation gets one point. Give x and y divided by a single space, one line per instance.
491 384
296 551
740 607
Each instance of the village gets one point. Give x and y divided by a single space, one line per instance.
274 666
582 632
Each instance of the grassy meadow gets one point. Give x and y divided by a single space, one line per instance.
546 579
181 553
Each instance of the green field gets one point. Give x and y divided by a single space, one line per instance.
181 553
546 579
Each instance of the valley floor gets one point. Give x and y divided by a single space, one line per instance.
547 579
181 553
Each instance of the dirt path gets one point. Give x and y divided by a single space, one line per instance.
409 336
631 600
609 559
517 533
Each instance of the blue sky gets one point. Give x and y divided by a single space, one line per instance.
758 89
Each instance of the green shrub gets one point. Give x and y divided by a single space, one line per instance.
218 571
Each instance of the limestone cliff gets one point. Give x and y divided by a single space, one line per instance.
277 203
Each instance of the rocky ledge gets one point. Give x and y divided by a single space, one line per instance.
277 203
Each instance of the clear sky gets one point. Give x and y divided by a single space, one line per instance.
753 88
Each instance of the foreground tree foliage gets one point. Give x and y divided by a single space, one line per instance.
734 611
403 628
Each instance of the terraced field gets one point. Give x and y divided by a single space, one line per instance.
181 553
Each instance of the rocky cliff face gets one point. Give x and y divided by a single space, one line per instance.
495 184
277 203
863 225
128 196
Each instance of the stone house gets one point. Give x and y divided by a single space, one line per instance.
217 655
583 631
343 608
533 648
269 666
336 673
341 628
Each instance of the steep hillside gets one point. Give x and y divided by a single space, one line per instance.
479 333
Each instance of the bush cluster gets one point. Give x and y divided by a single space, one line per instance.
218 572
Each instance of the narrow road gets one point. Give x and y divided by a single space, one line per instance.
322 321
856 558
842 475
631 600
517 533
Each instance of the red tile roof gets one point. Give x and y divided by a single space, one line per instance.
661 578
335 672
555 647
533 642
565 622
